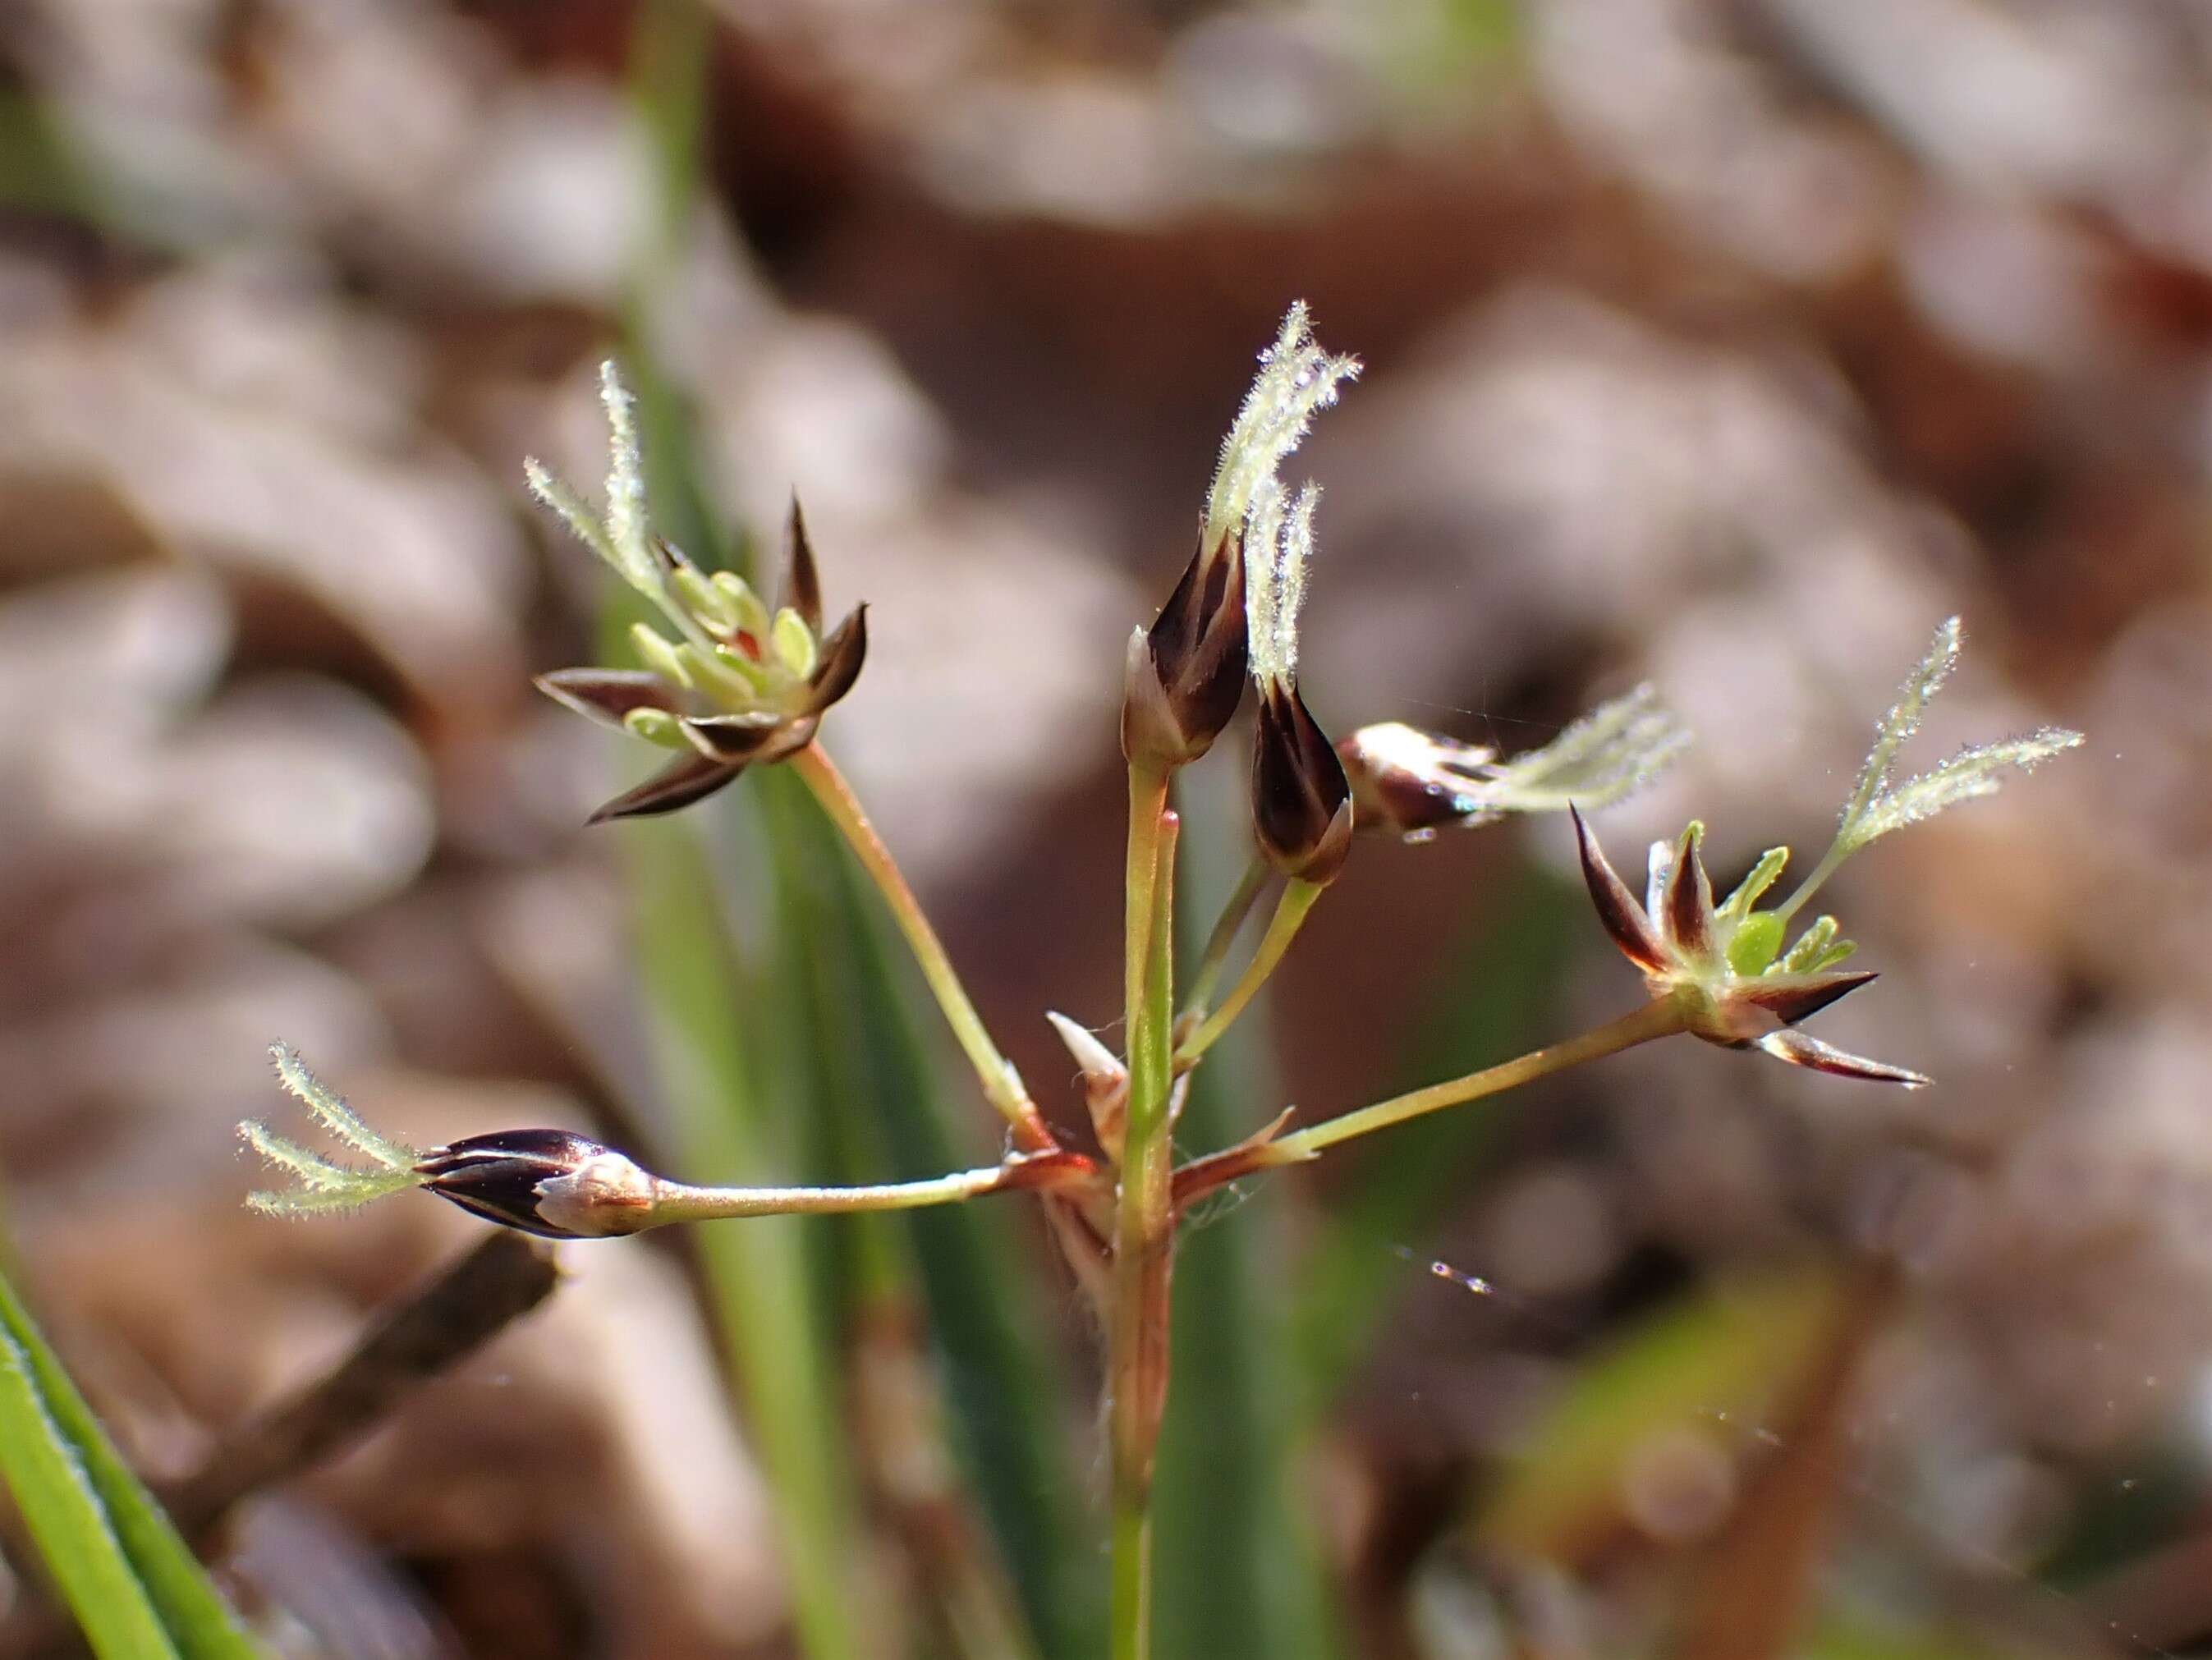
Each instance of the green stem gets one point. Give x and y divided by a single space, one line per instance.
1002 1085
1144 1220
1282 927
1132 1579
1215 958
1656 1020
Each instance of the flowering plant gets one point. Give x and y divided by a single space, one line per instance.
737 685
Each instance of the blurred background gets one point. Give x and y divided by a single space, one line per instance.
1730 344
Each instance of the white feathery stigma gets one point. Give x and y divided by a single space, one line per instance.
1278 549
1295 378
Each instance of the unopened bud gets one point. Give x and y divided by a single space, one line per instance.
547 1182
1186 674
1105 1082
1410 782
1301 802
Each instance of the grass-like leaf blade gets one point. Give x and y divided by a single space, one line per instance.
897 1112
133 1583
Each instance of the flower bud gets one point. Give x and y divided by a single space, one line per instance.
1301 802
1410 782
1186 674
552 1182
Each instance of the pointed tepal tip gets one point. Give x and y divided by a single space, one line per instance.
1800 1050
607 696
687 779
1617 910
843 656
1791 998
802 582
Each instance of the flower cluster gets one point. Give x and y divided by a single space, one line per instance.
739 683
1236 611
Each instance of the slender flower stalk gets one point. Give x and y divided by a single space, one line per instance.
1184 680
563 1186
1149 814
1002 1085
680 1202
1282 927
1198 997
1653 1020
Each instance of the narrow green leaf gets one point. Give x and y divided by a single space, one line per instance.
734 1122
758 1269
894 1113
136 1587
766 1080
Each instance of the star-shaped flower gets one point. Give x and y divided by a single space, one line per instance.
739 684
752 692
1722 965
